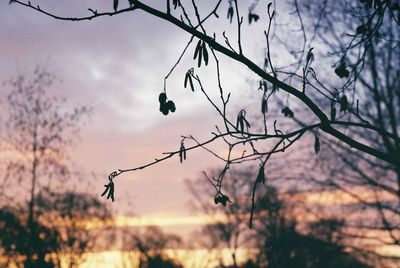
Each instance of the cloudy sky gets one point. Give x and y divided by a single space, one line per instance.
117 65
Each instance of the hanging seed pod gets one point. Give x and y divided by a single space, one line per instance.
344 105
264 106
171 106
197 49
361 29
162 98
287 112
341 70
164 108
241 121
310 56
230 14
317 145
221 198
205 53
182 152
333 111
188 78
200 56
176 3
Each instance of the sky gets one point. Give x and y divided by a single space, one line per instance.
117 65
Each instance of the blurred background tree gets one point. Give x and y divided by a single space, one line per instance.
41 215
151 244
278 238
362 43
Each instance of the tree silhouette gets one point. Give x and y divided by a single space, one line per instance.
62 226
336 113
366 59
282 245
39 130
16 240
70 215
229 223
151 245
280 240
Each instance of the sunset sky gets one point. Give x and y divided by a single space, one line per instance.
117 65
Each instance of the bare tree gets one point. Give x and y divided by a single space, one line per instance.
362 38
39 128
228 228
278 238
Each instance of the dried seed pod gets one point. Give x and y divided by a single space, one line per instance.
162 98
176 3
252 17
333 111
188 78
221 198
171 106
110 189
164 108
310 56
287 112
264 104
182 152
361 29
230 14
197 49
224 199
205 53
317 145
200 56
344 105
341 70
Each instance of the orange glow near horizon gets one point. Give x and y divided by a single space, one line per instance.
160 220
326 198
338 197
